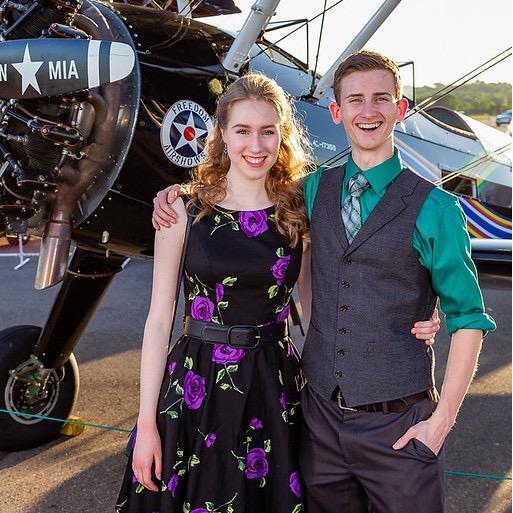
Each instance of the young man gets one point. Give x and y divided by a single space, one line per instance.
385 244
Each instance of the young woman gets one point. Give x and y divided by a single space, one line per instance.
218 433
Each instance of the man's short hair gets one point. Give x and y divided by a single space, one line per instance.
366 60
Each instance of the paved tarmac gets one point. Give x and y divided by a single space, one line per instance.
82 474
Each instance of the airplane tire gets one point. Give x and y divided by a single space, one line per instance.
21 432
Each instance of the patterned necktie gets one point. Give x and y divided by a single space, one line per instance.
351 211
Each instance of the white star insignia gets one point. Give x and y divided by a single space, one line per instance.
28 69
193 132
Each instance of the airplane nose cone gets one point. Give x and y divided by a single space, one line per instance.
122 60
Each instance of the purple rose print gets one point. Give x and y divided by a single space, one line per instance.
295 486
134 479
199 510
219 292
253 223
210 439
202 309
282 316
193 390
223 353
256 423
283 401
279 269
171 368
256 464
172 484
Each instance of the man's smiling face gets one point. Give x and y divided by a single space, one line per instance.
369 110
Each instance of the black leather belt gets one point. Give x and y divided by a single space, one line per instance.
240 336
393 406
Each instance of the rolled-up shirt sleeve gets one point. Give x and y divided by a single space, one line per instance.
443 247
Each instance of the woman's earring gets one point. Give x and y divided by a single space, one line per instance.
225 150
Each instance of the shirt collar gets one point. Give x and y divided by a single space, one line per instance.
379 176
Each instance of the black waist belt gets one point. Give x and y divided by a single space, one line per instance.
393 406
235 335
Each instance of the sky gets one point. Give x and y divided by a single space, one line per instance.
445 38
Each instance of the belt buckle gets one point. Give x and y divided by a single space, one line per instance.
256 331
339 404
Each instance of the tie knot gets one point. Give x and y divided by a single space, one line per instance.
357 185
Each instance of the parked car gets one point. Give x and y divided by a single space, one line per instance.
503 118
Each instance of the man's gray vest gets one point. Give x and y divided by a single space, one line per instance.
367 296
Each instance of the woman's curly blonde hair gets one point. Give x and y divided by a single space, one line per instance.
283 182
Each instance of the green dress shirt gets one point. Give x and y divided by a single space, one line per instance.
440 240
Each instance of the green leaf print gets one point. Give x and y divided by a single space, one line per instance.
232 368
196 290
193 461
179 389
267 445
262 482
172 413
225 386
298 508
188 364
191 296
285 416
209 506
222 305
280 377
217 219
179 453
241 465
273 290
119 506
182 472
280 252
220 375
186 507
230 509
163 486
235 227
139 488
229 281
229 216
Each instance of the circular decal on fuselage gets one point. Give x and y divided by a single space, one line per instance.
184 131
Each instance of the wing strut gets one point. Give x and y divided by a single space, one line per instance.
261 12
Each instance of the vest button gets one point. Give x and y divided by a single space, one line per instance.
347 261
344 308
342 331
346 284
341 352
338 374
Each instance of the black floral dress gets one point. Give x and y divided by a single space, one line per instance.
229 418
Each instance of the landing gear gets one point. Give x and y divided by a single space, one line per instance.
32 390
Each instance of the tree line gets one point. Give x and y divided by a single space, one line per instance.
473 98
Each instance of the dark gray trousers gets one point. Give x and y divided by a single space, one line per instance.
346 459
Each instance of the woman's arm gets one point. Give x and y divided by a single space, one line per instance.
168 250
304 285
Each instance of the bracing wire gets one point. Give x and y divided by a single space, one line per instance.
472 164
272 45
312 87
191 6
